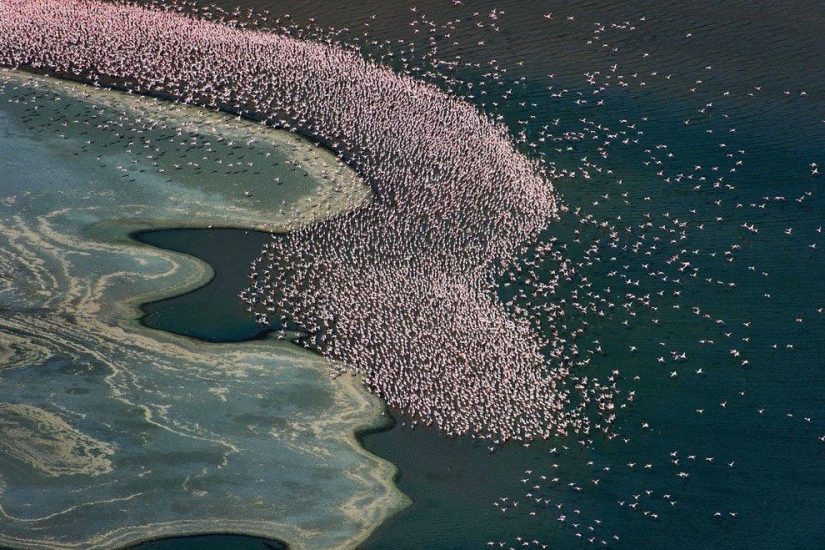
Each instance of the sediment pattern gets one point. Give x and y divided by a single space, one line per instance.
110 432
41 439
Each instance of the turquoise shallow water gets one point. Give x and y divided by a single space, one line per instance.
757 460
112 433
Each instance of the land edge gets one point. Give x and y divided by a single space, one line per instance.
123 232
126 232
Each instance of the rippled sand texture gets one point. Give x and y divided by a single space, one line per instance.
110 432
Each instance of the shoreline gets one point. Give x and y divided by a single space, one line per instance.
352 385
120 320
109 84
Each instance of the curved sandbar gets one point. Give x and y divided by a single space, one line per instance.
157 434
402 290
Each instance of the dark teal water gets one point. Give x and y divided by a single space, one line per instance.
740 105
211 542
213 312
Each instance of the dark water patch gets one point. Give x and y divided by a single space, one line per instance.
212 542
213 312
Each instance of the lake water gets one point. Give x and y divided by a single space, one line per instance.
695 133
748 81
